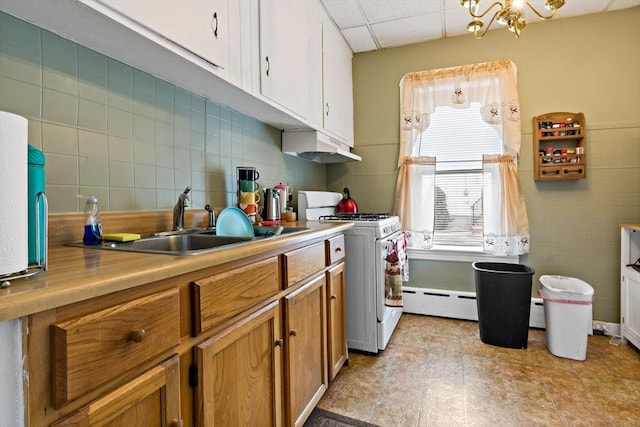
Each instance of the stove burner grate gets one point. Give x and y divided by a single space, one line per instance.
355 217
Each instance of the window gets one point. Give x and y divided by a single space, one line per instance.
457 138
458 186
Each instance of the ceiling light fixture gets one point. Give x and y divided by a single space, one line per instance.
510 13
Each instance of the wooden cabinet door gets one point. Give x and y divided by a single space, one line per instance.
285 53
150 400
240 373
336 319
306 352
200 27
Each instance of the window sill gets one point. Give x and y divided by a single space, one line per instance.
458 254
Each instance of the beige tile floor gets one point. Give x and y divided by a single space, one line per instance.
437 372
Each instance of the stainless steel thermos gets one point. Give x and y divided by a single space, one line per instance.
271 209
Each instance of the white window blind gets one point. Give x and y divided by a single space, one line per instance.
458 137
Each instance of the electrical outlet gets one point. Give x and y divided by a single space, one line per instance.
600 328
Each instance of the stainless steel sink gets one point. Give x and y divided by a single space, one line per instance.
188 242
180 244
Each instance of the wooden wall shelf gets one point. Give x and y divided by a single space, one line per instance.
559 146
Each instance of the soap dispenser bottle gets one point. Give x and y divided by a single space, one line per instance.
92 225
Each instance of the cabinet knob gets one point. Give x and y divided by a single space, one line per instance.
177 423
293 332
334 297
338 249
136 335
279 342
268 65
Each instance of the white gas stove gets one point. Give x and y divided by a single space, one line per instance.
370 322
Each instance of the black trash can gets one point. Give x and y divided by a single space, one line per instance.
503 296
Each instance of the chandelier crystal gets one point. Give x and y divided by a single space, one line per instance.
509 13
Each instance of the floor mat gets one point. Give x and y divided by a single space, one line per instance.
321 418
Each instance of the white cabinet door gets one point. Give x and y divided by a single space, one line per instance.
285 53
630 313
337 105
199 26
630 284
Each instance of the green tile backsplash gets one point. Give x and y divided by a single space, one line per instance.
131 139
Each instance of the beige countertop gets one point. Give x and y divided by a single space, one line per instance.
76 274
631 226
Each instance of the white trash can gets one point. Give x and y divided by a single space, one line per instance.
567 314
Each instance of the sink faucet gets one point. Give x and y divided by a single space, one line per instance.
212 216
178 210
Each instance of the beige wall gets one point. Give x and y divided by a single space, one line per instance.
587 64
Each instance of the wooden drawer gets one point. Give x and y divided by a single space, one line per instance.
303 262
335 249
562 171
227 294
93 349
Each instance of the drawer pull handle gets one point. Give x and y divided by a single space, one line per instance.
338 249
279 342
293 332
215 21
136 335
568 171
553 172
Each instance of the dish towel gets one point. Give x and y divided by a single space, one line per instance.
396 271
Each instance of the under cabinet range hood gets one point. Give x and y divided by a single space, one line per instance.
316 146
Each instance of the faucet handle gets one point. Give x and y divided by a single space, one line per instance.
186 190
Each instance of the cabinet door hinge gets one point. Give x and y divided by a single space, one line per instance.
193 375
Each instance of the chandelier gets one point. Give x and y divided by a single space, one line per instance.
510 13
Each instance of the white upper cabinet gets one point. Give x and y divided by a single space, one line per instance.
337 87
199 26
285 54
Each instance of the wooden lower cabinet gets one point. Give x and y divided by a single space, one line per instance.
151 400
240 373
305 349
336 319
201 349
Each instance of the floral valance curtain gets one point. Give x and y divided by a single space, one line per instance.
493 85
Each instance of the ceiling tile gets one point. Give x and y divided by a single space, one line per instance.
359 38
345 13
378 11
408 30
456 20
622 4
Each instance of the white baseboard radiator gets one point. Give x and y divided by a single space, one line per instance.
456 304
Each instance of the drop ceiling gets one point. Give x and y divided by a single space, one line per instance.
376 24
